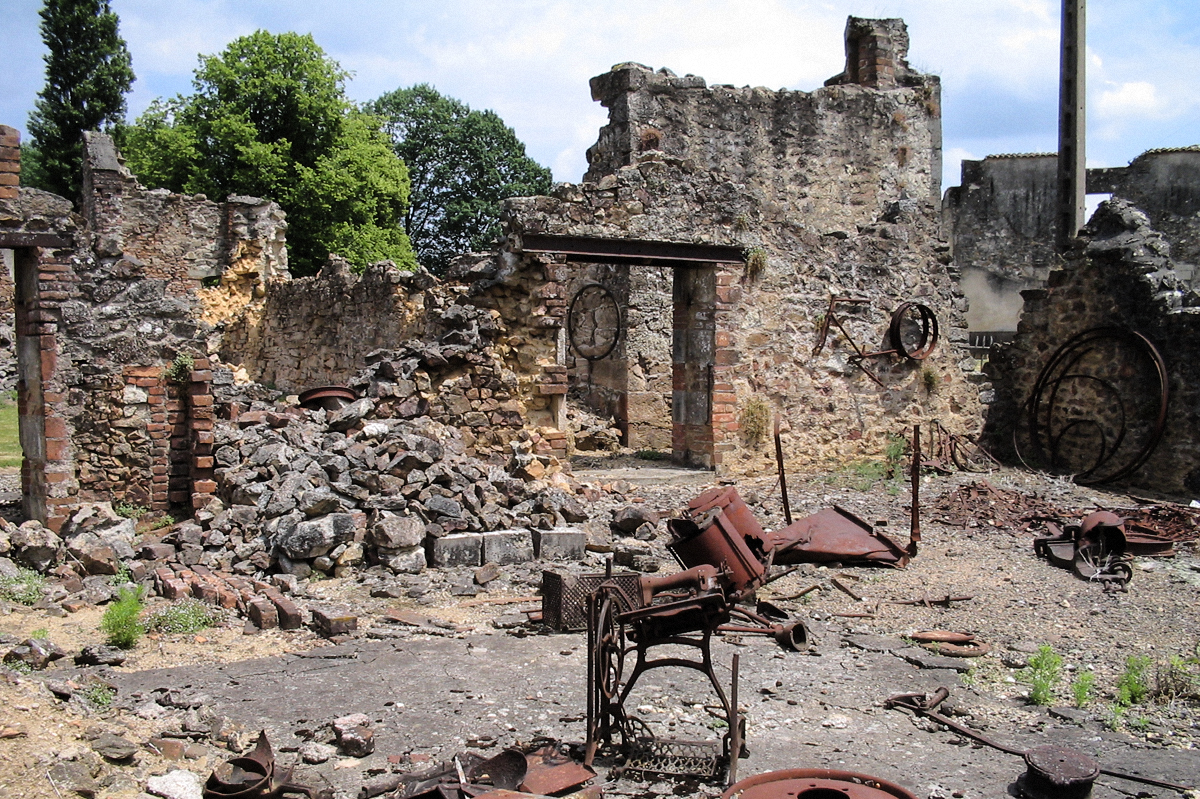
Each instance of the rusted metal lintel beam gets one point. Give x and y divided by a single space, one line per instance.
13 241
631 251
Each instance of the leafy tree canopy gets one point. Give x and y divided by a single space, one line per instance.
269 117
462 165
88 73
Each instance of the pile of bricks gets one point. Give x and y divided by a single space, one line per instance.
260 602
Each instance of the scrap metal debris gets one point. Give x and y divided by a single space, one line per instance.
980 504
816 783
1053 772
512 773
952 644
254 776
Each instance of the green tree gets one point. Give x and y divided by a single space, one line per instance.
462 165
88 73
269 117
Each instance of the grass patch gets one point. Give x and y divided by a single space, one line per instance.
26 588
122 620
183 617
652 455
10 438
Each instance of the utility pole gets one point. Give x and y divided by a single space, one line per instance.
1072 107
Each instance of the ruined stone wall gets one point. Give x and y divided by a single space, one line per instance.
104 302
318 330
1002 221
830 191
1122 277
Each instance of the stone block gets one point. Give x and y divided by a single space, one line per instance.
459 549
561 543
331 622
262 613
290 615
507 546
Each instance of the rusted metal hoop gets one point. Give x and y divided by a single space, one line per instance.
929 331
573 312
1061 367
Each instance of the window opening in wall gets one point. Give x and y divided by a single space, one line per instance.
1092 202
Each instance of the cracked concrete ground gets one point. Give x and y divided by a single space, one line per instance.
435 696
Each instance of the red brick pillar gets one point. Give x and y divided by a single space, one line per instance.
726 358
201 423
10 163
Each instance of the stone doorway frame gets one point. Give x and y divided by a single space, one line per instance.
703 278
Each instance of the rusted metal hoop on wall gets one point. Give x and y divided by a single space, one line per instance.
929 331
585 322
1062 367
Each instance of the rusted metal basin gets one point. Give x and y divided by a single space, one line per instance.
329 398
1055 772
816 783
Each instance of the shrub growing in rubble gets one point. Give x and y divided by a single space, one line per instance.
24 588
183 617
122 621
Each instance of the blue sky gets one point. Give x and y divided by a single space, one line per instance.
530 60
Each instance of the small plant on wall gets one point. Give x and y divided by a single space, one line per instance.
180 369
755 418
756 262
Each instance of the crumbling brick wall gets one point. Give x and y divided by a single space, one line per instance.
103 303
1121 276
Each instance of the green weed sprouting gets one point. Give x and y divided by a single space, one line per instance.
1083 688
755 419
1134 685
1042 675
98 695
180 369
122 620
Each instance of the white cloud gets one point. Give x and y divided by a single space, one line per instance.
1138 98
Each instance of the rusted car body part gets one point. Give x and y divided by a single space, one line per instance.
254 776
683 611
720 544
834 534
1048 422
329 398
816 783
925 706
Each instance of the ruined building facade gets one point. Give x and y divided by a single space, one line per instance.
718 222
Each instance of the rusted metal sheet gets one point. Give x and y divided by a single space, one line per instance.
817 783
255 776
834 534
550 771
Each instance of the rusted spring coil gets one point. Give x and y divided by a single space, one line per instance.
929 331
1063 361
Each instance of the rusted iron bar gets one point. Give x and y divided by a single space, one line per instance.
914 534
930 601
787 508
805 592
845 588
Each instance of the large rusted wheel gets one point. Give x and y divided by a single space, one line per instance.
609 657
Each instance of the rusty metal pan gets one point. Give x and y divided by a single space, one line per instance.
816 783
